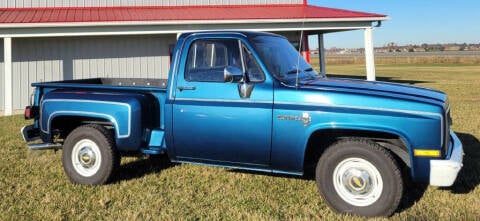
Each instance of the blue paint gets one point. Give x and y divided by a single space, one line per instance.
157 140
122 110
211 124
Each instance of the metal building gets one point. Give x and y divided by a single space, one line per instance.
51 40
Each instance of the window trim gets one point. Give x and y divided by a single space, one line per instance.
240 44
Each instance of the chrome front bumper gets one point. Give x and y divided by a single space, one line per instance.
444 172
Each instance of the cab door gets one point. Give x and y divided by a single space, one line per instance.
211 122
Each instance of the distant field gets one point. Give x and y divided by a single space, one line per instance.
34 187
415 54
406 58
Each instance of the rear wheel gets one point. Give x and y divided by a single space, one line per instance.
359 177
89 155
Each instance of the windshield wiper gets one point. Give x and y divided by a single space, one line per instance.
294 71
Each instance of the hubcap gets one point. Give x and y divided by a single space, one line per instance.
357 182
86 157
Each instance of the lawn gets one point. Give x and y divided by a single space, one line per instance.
34 187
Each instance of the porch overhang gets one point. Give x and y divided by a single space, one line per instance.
71 22
313 26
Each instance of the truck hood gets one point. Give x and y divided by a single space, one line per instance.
376 88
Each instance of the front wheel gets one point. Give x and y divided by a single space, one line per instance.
359 177
89 155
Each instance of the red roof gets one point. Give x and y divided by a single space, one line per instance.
177 13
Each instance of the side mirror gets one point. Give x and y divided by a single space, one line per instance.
245 89
232 74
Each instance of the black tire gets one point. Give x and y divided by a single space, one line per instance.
357 176
96 157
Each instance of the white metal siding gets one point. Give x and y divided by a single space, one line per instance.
100 3
54 59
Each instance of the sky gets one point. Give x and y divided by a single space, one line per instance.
411 22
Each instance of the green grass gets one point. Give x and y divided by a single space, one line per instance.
33 185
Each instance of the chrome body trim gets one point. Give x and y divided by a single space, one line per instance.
87 113
442 127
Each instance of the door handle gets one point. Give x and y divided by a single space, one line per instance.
181 88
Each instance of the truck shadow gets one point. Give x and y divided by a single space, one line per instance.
141 167
469 177
413 191
386 79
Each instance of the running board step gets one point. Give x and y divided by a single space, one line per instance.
152 151
44 146
156 144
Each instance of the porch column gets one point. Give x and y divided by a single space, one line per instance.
7 61
305 49
321 54
369 55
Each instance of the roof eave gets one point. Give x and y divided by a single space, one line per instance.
185 22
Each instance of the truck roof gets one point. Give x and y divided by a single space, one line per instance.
248 34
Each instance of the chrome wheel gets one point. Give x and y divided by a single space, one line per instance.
86 157
357 182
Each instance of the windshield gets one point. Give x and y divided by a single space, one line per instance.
281 59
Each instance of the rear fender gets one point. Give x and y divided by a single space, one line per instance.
123 112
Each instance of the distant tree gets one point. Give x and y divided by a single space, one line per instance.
392 46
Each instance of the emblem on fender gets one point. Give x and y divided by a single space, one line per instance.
305 118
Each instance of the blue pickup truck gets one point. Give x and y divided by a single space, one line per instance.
247 100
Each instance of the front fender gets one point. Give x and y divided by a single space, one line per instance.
291 136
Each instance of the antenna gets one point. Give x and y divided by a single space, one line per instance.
300 48
298 58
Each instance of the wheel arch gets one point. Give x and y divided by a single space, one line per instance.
319 140
64 124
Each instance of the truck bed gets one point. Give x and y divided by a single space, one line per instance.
109 83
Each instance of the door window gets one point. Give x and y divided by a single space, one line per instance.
207 60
